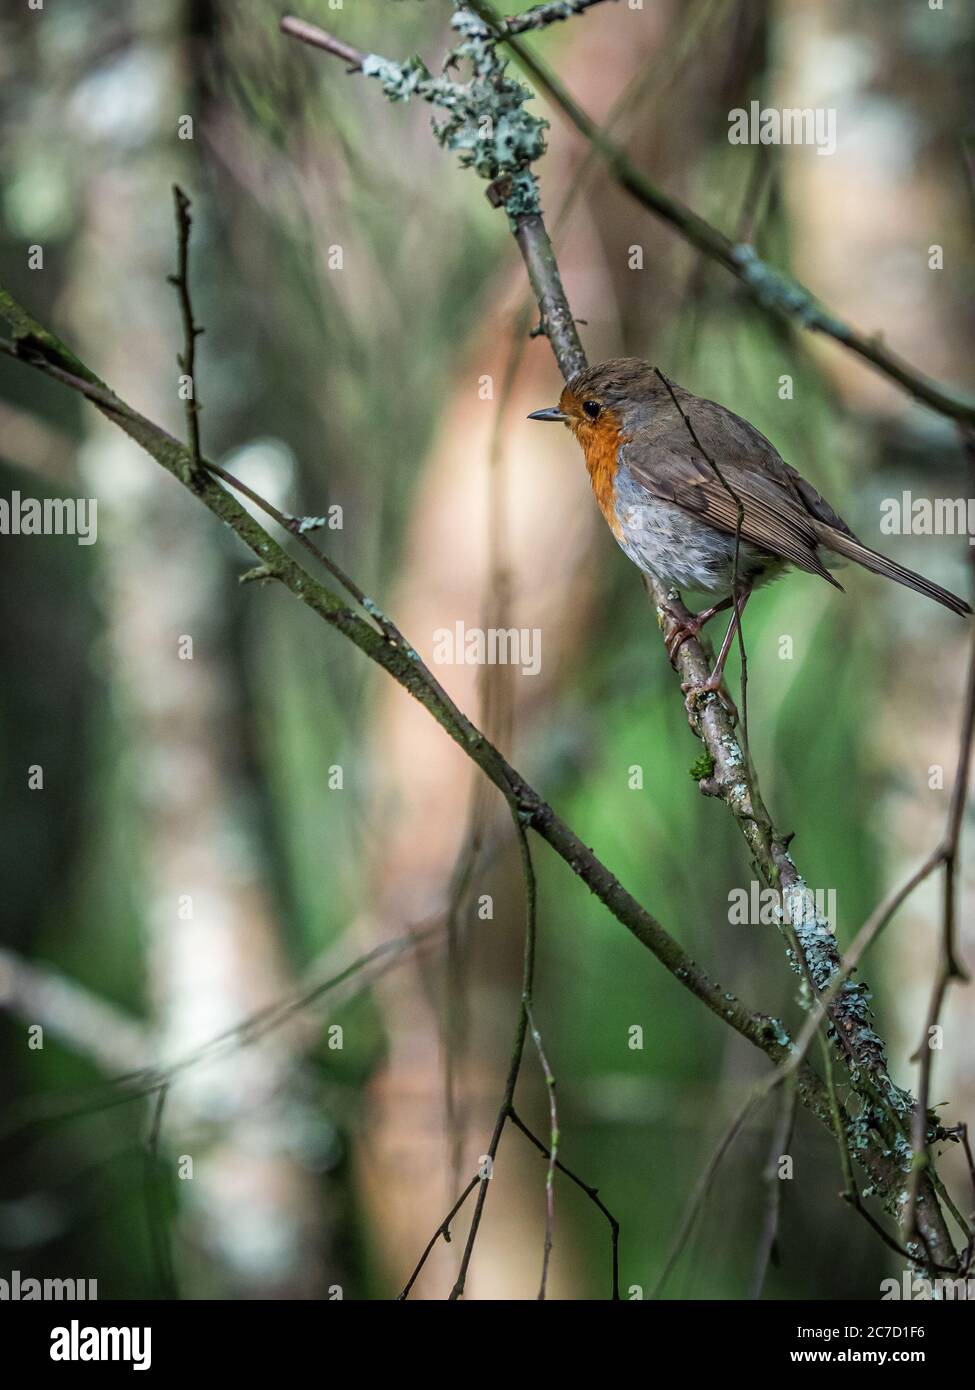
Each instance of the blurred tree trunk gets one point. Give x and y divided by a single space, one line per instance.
250 1218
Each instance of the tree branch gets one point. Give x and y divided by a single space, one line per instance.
187 358
591 1192
541 16
772 289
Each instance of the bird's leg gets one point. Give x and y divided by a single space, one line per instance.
692 627
713 681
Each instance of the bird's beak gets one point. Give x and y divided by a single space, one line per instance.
551 412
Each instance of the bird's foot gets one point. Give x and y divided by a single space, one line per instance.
681 634
690 626
696 691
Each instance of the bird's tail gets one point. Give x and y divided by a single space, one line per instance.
853 549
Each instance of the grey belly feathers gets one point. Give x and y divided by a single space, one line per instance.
669 543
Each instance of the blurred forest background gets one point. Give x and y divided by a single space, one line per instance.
212 781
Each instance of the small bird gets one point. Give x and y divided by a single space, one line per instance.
670 470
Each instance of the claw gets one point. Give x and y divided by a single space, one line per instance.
679 636
690 627
694 692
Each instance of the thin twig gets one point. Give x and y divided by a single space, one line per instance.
591 1192
506 1108
317 38
146 1081
156 1215
517 1049
949 967
295 526
553 1153
781 1136
541 16
191 331
699 1196
442 1230
496 716
735 572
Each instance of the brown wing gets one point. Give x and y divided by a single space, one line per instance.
782 512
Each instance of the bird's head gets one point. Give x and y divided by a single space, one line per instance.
611 398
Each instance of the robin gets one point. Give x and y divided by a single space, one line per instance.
670 471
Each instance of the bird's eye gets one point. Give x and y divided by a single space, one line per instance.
592 409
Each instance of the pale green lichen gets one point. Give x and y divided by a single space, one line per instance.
733 754
779 1032
774 289
485 120
850 1012
813 933
904 1153
858 1133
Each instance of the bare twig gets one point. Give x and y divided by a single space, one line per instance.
739 522
700 1194
442 1230
148 1080
949 968
591 1192
191 331
155 1187
517 1048
543 276
553 1153
541 16
506 1109
317 38
781 1135
496 714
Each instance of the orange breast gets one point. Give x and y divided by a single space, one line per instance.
601 444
